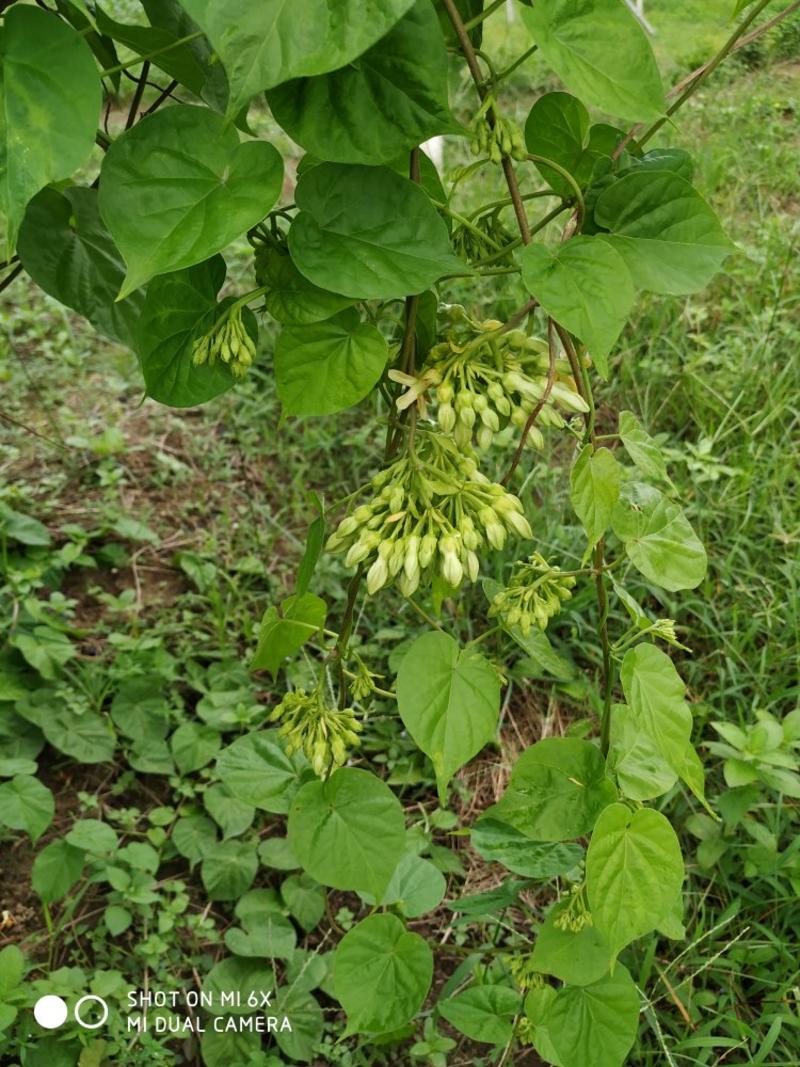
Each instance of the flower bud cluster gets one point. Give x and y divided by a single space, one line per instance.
500 138
534 594
229 341
576 915
489 379
431 513
483 238
325 735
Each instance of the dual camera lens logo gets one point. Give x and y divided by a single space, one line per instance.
51 1011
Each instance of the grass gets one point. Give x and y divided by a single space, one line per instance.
218 496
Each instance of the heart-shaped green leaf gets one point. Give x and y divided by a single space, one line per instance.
392 99
328 366
180 186
368 233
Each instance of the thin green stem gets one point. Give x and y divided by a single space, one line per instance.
478 19
150 55
517 63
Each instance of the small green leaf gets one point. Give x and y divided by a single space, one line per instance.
576 957
17 526
228 870
271 935
194 746
117 919
26 804
557 789
328 366
232 815
594 490
257 771
247 977
56 869
498 842
634 871
601 53
305 900
12 969
642 449
276 854
667 234
50 98
65 247
382 974
394 98
194 837
348 832
594 1024
368 233
179 186
449 700
315 541
93 836
584 288
284 631
416 887
484 1013
658 538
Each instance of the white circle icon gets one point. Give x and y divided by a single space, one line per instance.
50 1012
90 997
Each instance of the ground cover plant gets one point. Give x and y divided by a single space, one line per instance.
260 763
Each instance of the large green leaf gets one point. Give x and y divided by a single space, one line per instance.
179 308
500 843
291 297
594 490
50 98
557 789
285 630
65 247
193 746
382 974
264 44
557 128
392 99
449 700
232 815
579 957
26 804
601 53
636 758
328 366
483 1012
658 538
593 1024
180 186
348 832
634 872
368 233
664 230
656 698
257 771
584 288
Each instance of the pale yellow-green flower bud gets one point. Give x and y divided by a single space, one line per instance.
519 524
484 438
446 417
427 549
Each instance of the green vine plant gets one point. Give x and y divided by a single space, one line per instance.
357 266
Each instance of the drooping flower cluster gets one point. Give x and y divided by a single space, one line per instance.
486 379
534 594
431 513
229 341
324 734
497 138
